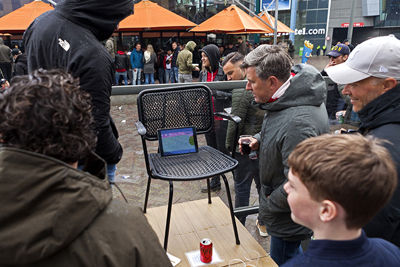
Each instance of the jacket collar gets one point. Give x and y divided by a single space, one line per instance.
382 110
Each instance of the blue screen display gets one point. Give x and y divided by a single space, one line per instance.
177 141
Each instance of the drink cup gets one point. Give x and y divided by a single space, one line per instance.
245 141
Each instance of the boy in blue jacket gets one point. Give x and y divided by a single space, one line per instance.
335 191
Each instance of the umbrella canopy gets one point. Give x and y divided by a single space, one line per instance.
231 19
282 28
20 19
151 16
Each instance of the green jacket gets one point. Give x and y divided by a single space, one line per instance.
298 114
55 215
252 117
185 59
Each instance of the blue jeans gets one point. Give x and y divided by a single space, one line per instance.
174 75
136 75
111 168
148 78
282 251
168 76
243 176
118 75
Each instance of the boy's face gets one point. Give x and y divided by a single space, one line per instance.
304 210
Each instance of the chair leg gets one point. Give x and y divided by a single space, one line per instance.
171 192
146 198
209 190
228 193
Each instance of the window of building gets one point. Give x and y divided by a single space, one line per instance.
15 4
312 4
323 3
311 16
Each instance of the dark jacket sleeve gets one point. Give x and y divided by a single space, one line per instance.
96 79
240 104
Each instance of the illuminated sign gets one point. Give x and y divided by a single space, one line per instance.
355 24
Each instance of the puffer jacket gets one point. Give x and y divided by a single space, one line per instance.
55 215
300 113
252 117
68 38
381 118
185 59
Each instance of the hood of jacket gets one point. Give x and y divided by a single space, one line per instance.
46 204
213 55
190 46
382 110
101 17
307 88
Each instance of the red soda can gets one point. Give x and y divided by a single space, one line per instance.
206 249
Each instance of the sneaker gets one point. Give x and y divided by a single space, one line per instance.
262 229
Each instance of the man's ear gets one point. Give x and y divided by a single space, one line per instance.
275 83
345 57
328 211
389 83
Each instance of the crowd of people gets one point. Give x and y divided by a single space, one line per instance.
59 145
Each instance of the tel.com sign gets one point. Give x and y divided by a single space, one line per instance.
305 31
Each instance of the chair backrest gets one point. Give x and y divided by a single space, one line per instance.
175 107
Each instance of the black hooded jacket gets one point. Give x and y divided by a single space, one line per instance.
68 38
381 119
214 57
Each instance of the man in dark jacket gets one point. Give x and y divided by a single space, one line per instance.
250 124
174 67
212 71
54 214
372 75
5 60
121 64
294 111
68 38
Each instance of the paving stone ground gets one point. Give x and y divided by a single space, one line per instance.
131 173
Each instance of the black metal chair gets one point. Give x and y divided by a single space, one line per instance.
176 107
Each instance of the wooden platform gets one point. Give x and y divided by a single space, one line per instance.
195 220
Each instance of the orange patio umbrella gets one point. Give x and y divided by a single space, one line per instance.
20 19
151 16
230 20
282 28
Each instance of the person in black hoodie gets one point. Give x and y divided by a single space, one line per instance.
372 78
212 71
69 37
174 67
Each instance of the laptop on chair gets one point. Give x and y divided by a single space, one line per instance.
177 141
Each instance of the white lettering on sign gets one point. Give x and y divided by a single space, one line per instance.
309 31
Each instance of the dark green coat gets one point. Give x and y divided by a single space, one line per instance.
252 117
55 215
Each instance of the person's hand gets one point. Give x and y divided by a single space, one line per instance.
254 144
196 69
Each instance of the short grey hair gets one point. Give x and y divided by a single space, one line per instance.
269 60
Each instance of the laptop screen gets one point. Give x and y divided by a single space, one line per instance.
177 141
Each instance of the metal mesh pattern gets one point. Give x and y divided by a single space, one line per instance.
207 162
174 108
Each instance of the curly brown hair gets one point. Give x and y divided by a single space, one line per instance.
47 113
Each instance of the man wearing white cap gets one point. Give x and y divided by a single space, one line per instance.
372 75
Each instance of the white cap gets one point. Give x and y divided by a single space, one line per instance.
378 57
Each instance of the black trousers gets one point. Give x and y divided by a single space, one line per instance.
6 70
